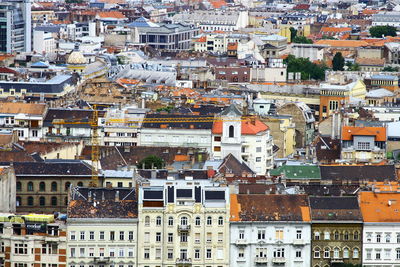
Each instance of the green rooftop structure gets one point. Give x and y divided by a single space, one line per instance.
297 172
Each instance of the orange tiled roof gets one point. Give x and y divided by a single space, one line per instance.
202 39
335 29
343 43
233 46
349 131
111 14
380 207
26 108
218 3
128 81
181 158
248 127
370 61
369 11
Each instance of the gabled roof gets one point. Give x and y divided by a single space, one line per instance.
22 108
249 127
248 208
380 207
231 110
348 132
232 165
335 209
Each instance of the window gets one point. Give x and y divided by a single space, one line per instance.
183 254
356 253
316 236
298 234
378 254
53 187
209 220
82 235
197 221
327 253
91 252
112 235
387 238
147 237
170 253
54 201
72 253
158 221
217 138
398 238
208 253
336 235
279 253
101 235
241 253
158 237
184 220
101 252
80 184
356 235
30 201
298 253
231 131
220 237
121 235
363 145
369 237
67 185
197 253
333 105
261 234
112 252
19 186
170 237
387 253
279 234
369 254
170 221
20 249
258 149
130 252
82 252
220 220
258 159
346 253
91 235
197 238
327 235
130 235
378 238
72 235
121 252
42 186
30 186
317 253
398 254
147 221
209 237
346 235
217 148
147 253
335 253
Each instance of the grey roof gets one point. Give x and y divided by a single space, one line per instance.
231 109
378 93
143 23
207 17
393 129
48 28
384 77
54 85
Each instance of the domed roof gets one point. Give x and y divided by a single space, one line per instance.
76 57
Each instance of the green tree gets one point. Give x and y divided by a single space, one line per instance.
390 69
293 33
151 162
380 31
301 40
327 37
308 69
352 67
338 61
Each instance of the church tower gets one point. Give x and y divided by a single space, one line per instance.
231 140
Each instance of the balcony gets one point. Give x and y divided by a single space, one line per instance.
298 242
183 261
279 260
101 259
183 228
241 242
261 260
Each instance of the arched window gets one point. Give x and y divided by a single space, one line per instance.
327 235
184 220
356 235
158 220
220 220
231 131
317 253
336 235
80 184
67 185
42 201
346 253
42 186
19 186
170 221
209 220
19 203
335 253
346 235
327 253
30 186
197 221
147 221
53 187
54 201
30 201
316 236
355 253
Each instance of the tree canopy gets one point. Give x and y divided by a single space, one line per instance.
380 31
338 62
308 69
390 69
302 40
293 33
151 162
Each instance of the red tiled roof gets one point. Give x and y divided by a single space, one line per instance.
111 14
249 127
7 70
336 29
380 207
349 131
218 3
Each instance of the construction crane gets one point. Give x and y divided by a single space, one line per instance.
94 125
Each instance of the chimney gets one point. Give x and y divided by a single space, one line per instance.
116 196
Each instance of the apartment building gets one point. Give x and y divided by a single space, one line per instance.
183 222
363 144
32 240
381 232
277 234
249 140
25 118
102 227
